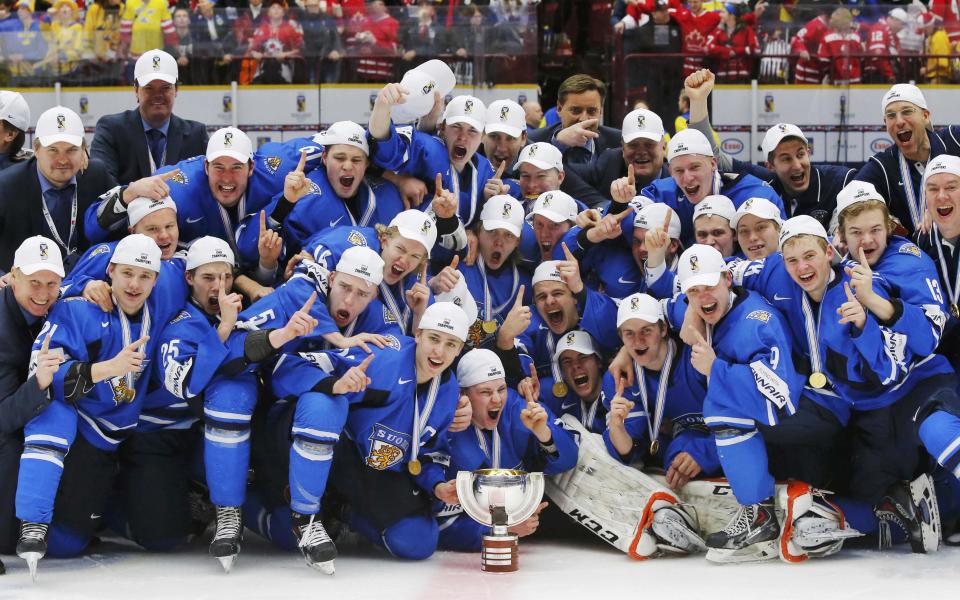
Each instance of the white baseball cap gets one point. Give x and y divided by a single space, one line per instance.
801 225
903 92
155 64
466 109
503 212
642 123
229 141
716 205
900 15
700 265
855 192
506 116
38 253
345 132
547 271
579 341
59 124
446 317
688 141
137 250
758 207
778 133
945 163
422 83
557 206
542 155
639 306
209 249
461 296
479 366
652 215
362 262
141 207
417 226
14 109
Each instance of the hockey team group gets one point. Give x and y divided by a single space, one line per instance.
307 342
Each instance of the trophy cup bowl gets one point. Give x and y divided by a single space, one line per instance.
499 498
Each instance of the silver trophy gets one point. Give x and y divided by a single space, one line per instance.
499 498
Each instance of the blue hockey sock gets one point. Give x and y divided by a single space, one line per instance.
744 460
940 433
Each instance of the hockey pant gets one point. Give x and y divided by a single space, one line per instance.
228 408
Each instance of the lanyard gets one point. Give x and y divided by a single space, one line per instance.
455 185
588 414
420 421
653 424
371 206
163 157
554 364
227 226
125 332
488 310
494 460
913 203
404 316
53 227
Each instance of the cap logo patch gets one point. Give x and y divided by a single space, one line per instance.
468 107
681 147
44 251
641 121
446 324
634 303
428 88
748 204
228 139
362 270
143 259
547 199
218 253
782 127
427 224
61 122
533 151
156 63
694 263
570 337
506 210
504 112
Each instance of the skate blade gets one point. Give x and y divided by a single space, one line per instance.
32 558
752 553
327 568
227 562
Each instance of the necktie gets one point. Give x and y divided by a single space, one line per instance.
59 203
156 142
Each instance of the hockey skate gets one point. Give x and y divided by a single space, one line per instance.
316 545
911 506
676 531
226 541
750 536
812 526
32 545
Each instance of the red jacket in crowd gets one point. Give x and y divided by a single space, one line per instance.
949 11
733 53
839 53
808 39
694 28
882 41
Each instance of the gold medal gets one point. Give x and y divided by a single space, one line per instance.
414 467
129 394
489 327
817 379
955 311
560 389
654 447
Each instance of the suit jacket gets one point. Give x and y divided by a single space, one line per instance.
121 144
590 182
609 138
21 212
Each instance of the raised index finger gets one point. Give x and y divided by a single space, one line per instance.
518 303
439 184
309 303
45 347
139 343
169 174
366 362
700 338
620 385
566 252
850 296
631 175
263 221
666 219
620 216
863 258
302 163
503 165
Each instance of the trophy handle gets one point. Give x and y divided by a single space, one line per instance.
469 501
531 500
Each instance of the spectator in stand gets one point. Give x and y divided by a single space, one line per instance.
912 43
696 23
101 28
533 114
661 76
214 47
8 20
937 70
734 44
183 49
949 14
423 38
322 44
882 40
144 25
805 46
66 40
24 46
276 45
840 49
248 20
374 38
469 34
774 66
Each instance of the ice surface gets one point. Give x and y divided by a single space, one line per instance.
548 570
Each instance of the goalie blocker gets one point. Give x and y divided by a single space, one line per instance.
640 516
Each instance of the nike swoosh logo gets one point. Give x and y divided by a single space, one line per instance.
95 516
779 297
105 324
622 280
334 223
197 220
566 405
403 381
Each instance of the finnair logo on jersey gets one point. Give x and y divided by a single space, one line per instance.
769 384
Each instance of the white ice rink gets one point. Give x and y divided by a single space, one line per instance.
549 570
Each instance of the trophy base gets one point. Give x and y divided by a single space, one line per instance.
499 554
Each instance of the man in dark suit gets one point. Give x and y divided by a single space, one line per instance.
37 274
579 135
643 149
135 143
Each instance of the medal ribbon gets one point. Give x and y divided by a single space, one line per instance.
913 203
126 336
953 289
489 311
420 421
67 250
655 416
482 441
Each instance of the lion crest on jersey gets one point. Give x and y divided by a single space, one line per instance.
356 238
180 178
387 447
909 249
759 315
389 316
272 163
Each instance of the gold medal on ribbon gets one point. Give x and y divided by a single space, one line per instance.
955 311
414 467
817 379
489 327
560 389
654 447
